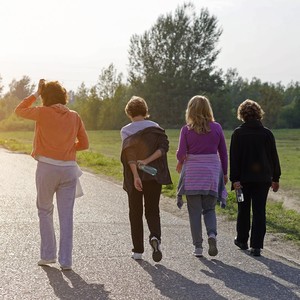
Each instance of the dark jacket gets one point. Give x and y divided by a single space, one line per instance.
253 154
140 146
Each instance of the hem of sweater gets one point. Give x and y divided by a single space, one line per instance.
35 154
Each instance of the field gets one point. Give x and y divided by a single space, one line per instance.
108 143
103 157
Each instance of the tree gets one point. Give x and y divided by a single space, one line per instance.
174 60
21 88
108 82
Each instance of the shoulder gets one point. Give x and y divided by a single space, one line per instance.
215 125
184 129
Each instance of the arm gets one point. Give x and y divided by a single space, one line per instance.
182 146
136 178
222 149
155 155
24 110
234 159
276 166
82 138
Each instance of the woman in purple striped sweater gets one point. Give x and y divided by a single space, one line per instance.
202 164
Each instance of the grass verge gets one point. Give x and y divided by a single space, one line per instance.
279 219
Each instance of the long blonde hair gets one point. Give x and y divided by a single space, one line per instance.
198 114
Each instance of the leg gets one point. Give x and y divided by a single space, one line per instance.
243 217
135 201
194 205
152 192
46 183
258 230
65 196
209 214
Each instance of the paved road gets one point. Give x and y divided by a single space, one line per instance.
103 268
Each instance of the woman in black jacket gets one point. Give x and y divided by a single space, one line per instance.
254 168
144 143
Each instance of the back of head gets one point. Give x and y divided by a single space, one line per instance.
249 110
198 114
53 92
136 106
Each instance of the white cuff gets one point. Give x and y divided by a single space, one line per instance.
36 95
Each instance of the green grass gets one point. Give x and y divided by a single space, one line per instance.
104 157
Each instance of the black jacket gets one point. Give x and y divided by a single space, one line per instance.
253 154
140 146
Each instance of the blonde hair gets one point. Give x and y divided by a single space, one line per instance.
198 114
136 106
249 110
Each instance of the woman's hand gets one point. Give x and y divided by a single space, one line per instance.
237 185
225 179
40 86
142 162
275 186
138 183
179 167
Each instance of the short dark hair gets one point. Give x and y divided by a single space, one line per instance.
53 93
136 106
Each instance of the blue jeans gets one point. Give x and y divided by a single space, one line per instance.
199 205
51 179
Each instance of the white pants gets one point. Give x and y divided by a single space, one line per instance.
59 180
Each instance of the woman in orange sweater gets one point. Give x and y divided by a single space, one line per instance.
59 134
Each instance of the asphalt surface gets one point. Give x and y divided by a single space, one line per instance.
102 266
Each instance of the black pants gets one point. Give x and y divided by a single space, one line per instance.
255 194
151 194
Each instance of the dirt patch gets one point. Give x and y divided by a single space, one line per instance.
290 199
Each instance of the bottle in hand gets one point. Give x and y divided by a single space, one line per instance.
239 195
150 170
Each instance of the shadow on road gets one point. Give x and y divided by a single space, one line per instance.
69 285
250 284
175 286
286 272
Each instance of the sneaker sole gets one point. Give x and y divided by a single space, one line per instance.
198 255
156 255
212 250
46 262
65 268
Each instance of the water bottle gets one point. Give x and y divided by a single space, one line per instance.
150 170
239 195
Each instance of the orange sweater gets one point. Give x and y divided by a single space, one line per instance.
59 132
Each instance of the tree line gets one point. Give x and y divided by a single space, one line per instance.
168 64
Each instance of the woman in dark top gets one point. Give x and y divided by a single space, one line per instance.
144 142
254 168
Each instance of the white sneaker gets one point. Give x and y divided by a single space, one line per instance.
137 256
198 252
44 262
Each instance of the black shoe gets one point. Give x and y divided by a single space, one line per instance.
243 246
155 244
255 251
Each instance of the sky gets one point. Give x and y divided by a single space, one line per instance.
72 41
